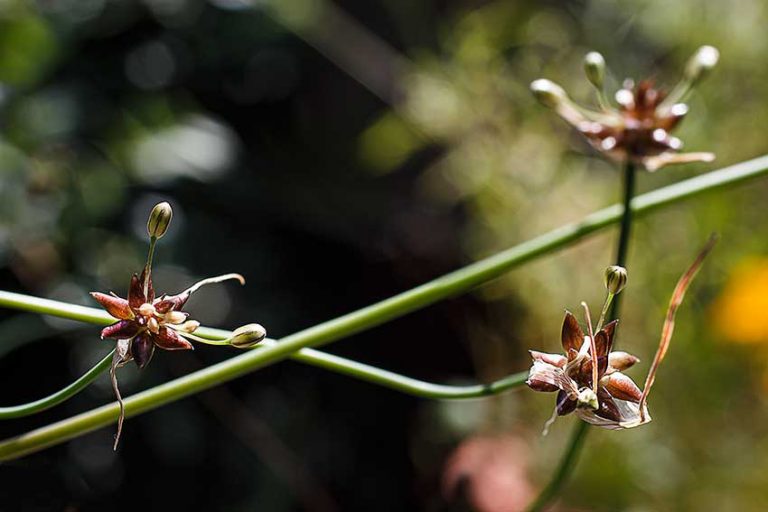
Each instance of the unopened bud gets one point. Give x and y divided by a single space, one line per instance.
247 336
615 279
701 63
594 68
159 220
588 398
189 326
548 93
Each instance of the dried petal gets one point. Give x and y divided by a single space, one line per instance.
124 329
553 359
622 360
115 306
608 408
172 302
609 329
543 377
142 349
622 387
136 292
572 336
168 339
565 404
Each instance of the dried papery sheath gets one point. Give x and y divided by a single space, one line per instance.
589 379
146 322
638 129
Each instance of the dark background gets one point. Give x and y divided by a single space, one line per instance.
336 154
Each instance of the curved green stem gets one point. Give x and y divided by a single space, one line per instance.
449 285
571 455
56 398
317 358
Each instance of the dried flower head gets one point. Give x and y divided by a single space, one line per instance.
638 128
146 321
589 377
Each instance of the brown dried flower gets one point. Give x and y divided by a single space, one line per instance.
145 321
589 379
638 130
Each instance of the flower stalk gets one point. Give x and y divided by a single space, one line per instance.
295 346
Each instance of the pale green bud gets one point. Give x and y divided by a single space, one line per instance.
159 220
548 93
615 279
588 398
701 63
594 68
247 336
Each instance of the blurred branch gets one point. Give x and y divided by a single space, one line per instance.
341 39
449 285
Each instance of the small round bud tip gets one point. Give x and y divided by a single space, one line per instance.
548 92
701 63
594 68
247 336
159 220
615 279
588 398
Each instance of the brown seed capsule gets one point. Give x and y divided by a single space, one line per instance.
622 360
159 220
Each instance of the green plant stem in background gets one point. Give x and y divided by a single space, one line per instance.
324 360
571 455
449 285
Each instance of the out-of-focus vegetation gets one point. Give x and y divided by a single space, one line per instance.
336 153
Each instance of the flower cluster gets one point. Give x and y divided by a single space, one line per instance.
145 322
589 378
638 128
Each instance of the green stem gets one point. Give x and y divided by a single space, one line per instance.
17 411
317 358
449 285
571 455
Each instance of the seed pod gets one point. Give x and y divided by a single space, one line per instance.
594 68
247 336
159 220
615 279
621 360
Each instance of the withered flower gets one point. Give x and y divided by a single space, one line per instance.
145 321
638 128
589 377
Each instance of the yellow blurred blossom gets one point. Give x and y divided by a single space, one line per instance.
740 314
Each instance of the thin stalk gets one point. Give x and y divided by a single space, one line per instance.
449 285
56 398
571 455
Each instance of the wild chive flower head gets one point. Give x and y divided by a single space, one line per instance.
638 129
146 321
589 378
